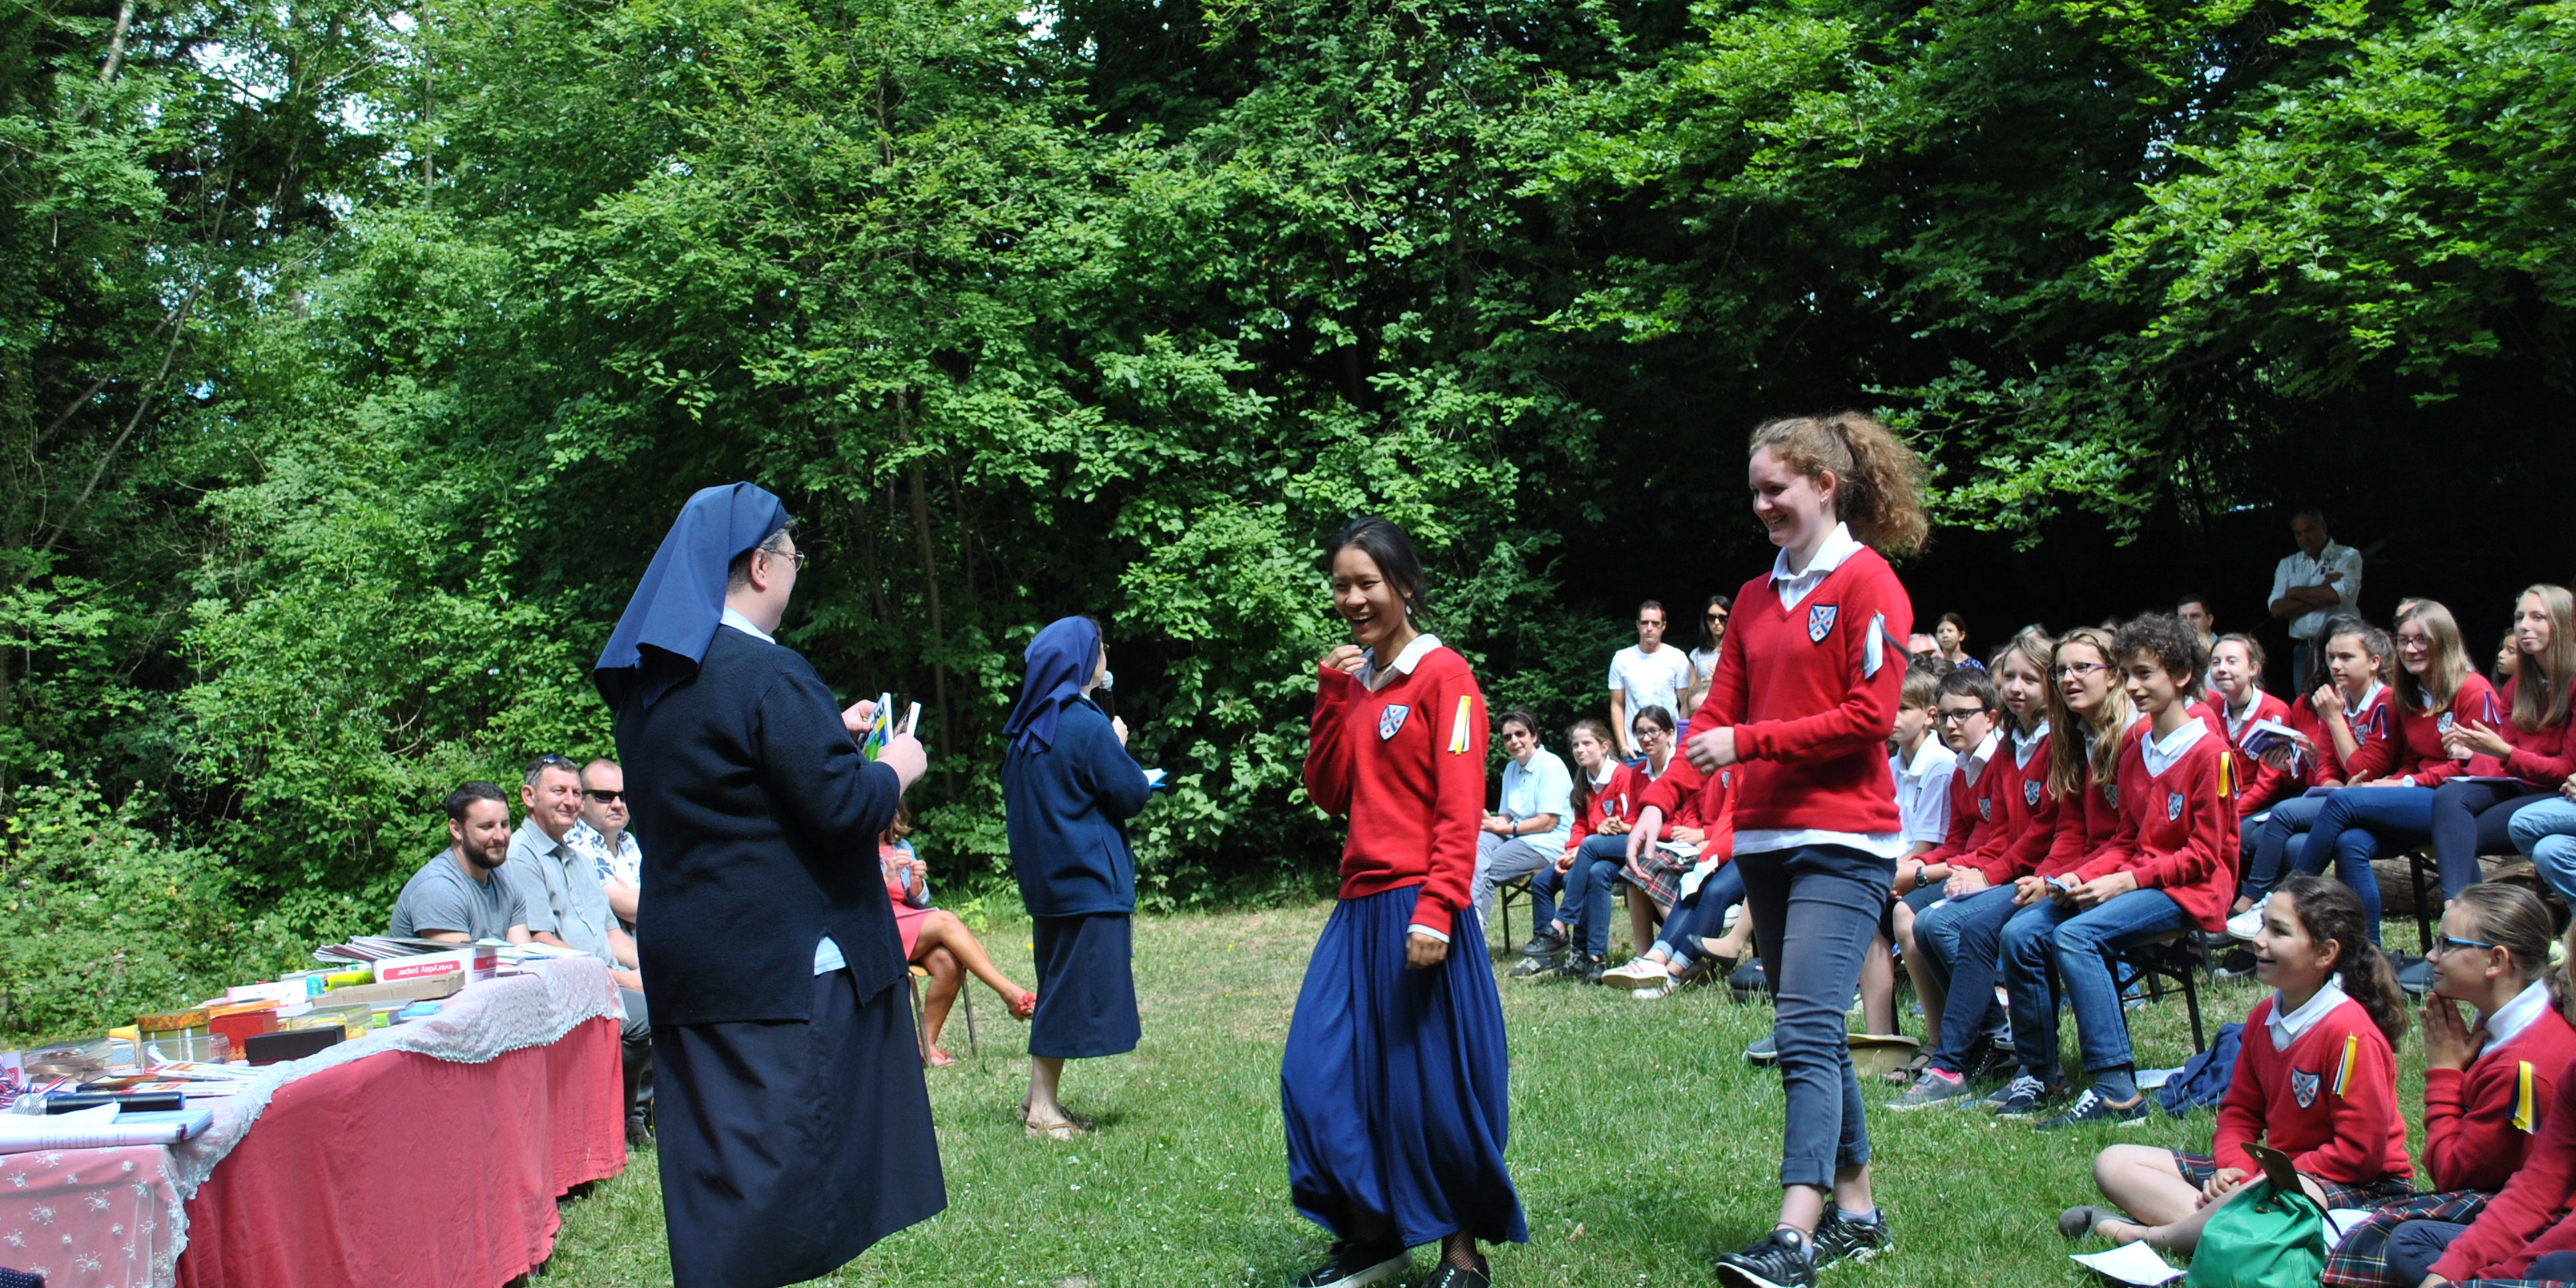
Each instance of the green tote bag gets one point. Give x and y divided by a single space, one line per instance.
2266 1237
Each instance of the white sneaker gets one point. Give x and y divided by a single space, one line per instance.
1669 985
2249 923
1637 973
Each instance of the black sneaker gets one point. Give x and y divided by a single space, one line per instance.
1839 1238
1531 966
1749 981
1451 1276
1990 1060
1353 1266
1582 966
2092 1108
1764 1052
1546 943
2236 963
2021 1097
1781 1260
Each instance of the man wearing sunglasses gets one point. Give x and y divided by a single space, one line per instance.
563 889
602 838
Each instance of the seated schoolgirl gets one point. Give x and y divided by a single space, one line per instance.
937 941
2089 719
2236 682
1958 939
1694 939
2390 801
2165 869
2536 744
1965 714
1599 809
1590 868
2489 1080
1917 756
2315 1078
2545 830
2344 715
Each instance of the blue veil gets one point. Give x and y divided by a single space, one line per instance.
1060 661
674 612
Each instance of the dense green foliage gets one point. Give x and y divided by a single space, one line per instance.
352 362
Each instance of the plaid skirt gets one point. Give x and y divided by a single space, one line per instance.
1663 876
2361 1260
2199 1168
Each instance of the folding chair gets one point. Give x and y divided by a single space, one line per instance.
921 1034
2168 959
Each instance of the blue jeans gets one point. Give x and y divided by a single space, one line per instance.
2047 948
2546 830
1961 941
2355 822
1543 887
1591 882
2269 859
1701 914
1826 900
2470 819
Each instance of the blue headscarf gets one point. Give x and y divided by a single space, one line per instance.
675 610
1061 660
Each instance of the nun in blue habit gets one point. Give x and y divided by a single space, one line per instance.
794 1125
1068 789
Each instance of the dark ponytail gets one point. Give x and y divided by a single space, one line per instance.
2332 913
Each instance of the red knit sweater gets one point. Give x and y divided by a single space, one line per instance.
1633 789
2177 830
2086 822
2414 742
2030 818
2544 757
1689 798
1394 761
2329 1101
1980 812
2479 1121
1810 704
2258 786
2328 769
2521 1223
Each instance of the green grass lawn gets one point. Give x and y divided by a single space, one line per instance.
1642 1143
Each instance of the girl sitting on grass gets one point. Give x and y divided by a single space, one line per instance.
2489 1079
2316 1079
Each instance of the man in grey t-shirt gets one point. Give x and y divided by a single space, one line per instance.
459 895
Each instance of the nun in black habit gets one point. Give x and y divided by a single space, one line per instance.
794 1125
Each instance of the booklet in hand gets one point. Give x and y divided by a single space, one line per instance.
2267 736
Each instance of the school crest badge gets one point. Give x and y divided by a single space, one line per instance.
1391 719
2030 794
1986 808
2111 795
1820 621
2443 725
2173 806
2303 1088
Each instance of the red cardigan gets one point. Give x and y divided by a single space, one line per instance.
2177 829
2369 725
1407 764
2545 757
2030 817
2479 1121
2521 1223
2086 822
2414 743
1980 812
1811 693
2258 786
2329 1101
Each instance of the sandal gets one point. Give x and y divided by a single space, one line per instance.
939 1059
1061 1129
1905 1074
2081 1220
1024 1006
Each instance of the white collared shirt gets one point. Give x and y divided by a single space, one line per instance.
827 954
2025 744
2161 753
2299 570
1374 679
1923 790
1837 547
2513 1017
2352 711
1975 765
2237 716
2285 1029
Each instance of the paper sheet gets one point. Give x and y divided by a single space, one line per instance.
2340 1222
2130 1263
98 1128
1153 779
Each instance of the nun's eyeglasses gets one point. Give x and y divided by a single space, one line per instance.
798 555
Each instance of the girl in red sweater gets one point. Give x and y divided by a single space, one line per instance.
2344 715
2533 744
2236 682
2165 868
1393 1086
2316 1078
2391 799
1804 699
2489 1079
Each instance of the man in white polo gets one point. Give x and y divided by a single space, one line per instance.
2322 580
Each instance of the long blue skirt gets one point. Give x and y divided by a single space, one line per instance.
1394 1083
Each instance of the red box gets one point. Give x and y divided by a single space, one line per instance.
473 961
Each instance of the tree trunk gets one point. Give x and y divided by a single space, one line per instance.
929 592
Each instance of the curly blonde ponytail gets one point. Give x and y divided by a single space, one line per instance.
1879 479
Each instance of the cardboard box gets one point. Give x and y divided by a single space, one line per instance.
424 989
471 961
242 1023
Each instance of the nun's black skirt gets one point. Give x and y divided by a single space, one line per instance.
789 1147
1086 986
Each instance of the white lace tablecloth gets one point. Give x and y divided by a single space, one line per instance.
116 1218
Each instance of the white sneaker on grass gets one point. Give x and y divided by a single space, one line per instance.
2249 923
1669 985
1637 973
